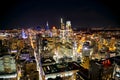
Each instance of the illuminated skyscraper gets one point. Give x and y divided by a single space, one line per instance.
65 31
85 55
24 35
62 24
68 31
7 67
48 33
62 31
54 31
68 25
47 26
74 51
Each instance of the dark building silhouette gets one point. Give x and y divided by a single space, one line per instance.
99 71
0 43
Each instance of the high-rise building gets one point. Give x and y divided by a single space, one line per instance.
24 35
86 55
47 26
8 67
101 70
74 51
66 31
62 32
95 70
0 43
68 25
48 33
69 32
62 24
118 47
54 32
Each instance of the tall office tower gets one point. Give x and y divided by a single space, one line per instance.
68 25
62 32
68 32
74 51
101 70
0 43
47 26
62 24
8 68
85 55
54 31
24 35
118 47
95 70
48 33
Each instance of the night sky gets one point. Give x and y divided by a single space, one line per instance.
81 13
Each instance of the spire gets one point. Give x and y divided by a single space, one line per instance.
61 20
47 26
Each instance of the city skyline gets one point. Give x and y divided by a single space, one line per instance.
81 13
